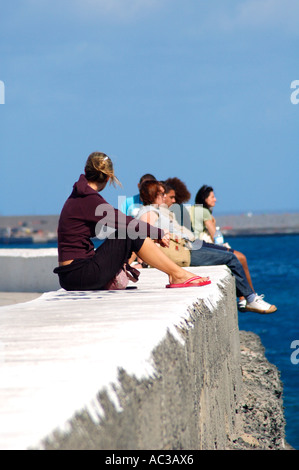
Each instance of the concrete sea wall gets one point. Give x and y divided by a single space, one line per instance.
145 368
28 270
189 401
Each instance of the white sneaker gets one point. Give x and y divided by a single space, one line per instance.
241 305
259 306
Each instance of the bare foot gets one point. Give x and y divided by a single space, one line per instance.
184 276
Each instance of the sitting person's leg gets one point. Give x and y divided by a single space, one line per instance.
243 260
153 256
208 255
94 273
241 257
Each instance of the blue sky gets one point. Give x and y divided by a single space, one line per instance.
195 89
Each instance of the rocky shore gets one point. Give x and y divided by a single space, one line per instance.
261 407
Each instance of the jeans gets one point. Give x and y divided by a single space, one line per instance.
215 255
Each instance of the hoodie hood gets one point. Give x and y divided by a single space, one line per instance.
82 188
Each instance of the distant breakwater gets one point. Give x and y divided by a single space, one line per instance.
43 228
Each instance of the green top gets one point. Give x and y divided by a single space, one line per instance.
199 215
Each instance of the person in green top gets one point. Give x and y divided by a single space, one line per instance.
203 221
204 226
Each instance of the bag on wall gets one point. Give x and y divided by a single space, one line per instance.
122 278
178 251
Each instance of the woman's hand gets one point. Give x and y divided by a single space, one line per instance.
165 240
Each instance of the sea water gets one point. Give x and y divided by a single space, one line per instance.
274 266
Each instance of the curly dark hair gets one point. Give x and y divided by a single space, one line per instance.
182 194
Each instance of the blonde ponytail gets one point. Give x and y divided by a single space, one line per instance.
98 167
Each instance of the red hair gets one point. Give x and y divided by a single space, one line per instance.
149 191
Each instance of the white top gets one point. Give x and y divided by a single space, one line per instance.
166 221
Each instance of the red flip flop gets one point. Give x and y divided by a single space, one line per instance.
188 283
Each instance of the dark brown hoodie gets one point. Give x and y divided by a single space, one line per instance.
85 214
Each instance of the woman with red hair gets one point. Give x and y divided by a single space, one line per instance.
201 254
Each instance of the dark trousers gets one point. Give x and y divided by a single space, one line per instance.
95 272
208 254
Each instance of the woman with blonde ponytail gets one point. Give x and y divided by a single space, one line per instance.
86 215
98 167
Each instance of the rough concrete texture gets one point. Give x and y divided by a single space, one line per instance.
166 364
189 402
259 413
